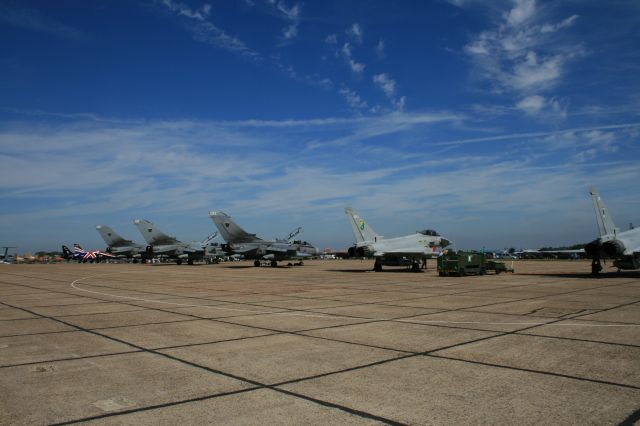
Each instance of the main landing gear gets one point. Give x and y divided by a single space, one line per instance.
596 267
273 263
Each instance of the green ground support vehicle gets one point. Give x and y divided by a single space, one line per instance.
462 263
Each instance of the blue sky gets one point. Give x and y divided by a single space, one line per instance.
485 120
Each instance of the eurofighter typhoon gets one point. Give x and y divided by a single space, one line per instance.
623 247
399 251
238 241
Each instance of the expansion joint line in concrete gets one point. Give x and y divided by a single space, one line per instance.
255 383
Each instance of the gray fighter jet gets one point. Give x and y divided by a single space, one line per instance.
160 243
623 247
120 247
399 251
252 247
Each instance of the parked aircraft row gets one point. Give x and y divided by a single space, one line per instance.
409 250
238 242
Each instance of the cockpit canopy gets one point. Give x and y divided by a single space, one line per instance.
429 232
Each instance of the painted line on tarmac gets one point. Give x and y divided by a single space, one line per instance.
74 285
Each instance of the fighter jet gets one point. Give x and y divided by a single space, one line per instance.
84 256
160 243
252 247
7 258
399 251
120 247
623 247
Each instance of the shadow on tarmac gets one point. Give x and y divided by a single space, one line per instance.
588 275
395 271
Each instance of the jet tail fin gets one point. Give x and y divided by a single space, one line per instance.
151 234
66 253
112 238
605 222
361 230
231 231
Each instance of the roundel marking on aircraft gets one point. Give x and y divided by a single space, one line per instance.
362 225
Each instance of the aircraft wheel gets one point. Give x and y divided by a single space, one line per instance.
274 263
596 267
415 267
179 261
377 266
301 263
190 262
256 263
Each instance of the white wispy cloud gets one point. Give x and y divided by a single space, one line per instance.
528 135
586 145
388 86
205 31
331 39
523 53
183 9
115 170
356 33
354 100
536 105
291 14
347 54
380 49
532 104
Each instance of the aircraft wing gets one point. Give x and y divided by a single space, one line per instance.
167 248
406 251
282 249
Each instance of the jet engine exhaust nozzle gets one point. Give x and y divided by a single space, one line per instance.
613 248
593 248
